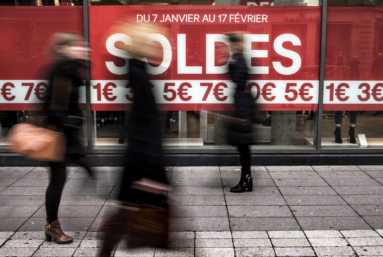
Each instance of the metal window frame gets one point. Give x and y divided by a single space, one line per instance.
317 148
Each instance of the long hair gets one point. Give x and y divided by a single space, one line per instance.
58 40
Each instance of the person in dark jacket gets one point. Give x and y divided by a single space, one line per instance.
63 115
240 130
377 67
354 68
144 180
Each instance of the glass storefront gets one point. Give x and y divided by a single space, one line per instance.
301 93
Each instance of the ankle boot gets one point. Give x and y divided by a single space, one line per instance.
244 185
54 231
351 133
337 133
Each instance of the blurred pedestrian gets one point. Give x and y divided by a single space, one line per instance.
67 52
240 132
143 212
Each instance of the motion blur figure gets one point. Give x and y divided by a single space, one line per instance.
67 53
240 132
142 217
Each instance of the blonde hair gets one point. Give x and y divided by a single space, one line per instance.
58 40
139 32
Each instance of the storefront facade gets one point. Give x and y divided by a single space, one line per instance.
315 67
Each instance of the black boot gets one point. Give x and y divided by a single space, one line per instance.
351 133
244 185
337 133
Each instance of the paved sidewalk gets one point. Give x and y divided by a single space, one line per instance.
293 211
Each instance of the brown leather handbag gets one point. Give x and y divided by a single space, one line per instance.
37 143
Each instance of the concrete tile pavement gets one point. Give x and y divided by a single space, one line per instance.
292 211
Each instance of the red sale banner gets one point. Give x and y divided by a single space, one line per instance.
282 56
281 49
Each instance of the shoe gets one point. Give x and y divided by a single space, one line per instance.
244 185
54 231
351 134
337 133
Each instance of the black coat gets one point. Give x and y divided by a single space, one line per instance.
61 104
144 157
241 133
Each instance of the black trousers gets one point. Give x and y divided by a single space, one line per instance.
338 117
58 173
245 157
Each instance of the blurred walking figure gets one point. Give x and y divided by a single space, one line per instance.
240 133
67 52
142 217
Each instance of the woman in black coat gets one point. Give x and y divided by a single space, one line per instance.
63 113
240 130
144 181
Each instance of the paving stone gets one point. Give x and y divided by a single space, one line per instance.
212 243
302 168
344 174
199 211
2 188
31 182
339 182
328 242
255 200
216 235
88 182
24 243
257 191
6 234
5 182
263 182
328 223
247 243
369 250
296 242
91 243
374 173
359 233
237 174
82 200
57 251
87 191
68 224
314 200
255 252
72 212
11 224
96 225
29 235
181 174
238 168
304 251
336 168
292 182
286 234
380 232
22 200
17 211
371 167
322 233
199 224
181 243
192 169
183 235
24 191
249 234
208 252
359 190
2 241
376 222
322 211
257 211
334 251
19 251
196 191
307 190
256 224
293 174
365 241
52 244
364 199
93 236
197 200
87 252
193 182
175 252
